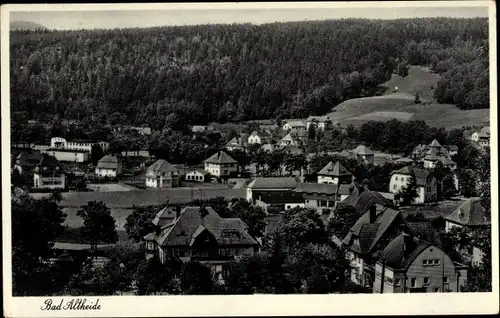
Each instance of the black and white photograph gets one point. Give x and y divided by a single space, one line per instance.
248 149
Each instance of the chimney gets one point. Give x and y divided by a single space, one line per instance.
373 213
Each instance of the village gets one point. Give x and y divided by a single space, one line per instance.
392 241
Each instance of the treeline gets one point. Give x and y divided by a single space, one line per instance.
236 72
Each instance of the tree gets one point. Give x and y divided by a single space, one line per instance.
416 217
311 132
300 226
96 154
249 275
467 183
196 279
253 216
139 222
98 224
484 180
408 194
152 276
448 186
35 226
344 217
480 277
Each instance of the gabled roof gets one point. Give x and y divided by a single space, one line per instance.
320 119
362 150
290 138
108 162
236 142
48 165
484 132
470 213
295 123
362 198
274 183
369 234
161 165
419 174
259 133
435 144
403 250
322 189
195 220
334 170
28 158
164 216
199 170
220 158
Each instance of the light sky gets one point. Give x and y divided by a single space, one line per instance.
67 20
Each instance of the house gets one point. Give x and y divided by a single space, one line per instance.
162 174
322 197
258 138
198 128
289 140
274 194
27 160
271 147
198 175
66 155
433 153
200 234
319 122
49 174
165 216
142 130
108 166
237 143
364 154
471 215
452 149
268 128
409 264
294 124
482 137
221 165
423 179
361 198
59 143
334 173
368 237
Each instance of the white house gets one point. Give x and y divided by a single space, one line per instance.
294 124
482 137
364 154
258 138
334 174
424 181
319 122
49 174
162 174
221 164
289 140
108 166
198 175
59 143
433 153
69 155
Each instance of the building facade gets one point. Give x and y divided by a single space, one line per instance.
162 174
49 174
424 181
108 166
221 165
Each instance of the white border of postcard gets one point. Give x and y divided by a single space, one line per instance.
273 305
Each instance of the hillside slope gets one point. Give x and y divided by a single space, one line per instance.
25 25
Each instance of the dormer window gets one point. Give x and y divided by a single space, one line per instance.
230 234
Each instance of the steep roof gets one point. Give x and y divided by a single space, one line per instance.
435 144
220 158
274 183
289 137
402 251
199 170
470 213
164 216
419 174
195 220
161 165
29 158
334 170
236 142
368 233
361 199
48 165
362 150
108 162
295 123
484 132
322 189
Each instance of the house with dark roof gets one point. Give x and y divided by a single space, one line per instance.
423 180
482 137
198 175
290 140
368 237
470 215
221 165
409 264
334 173
433 153
27 160
322 197
239 143
274 194
364 154
108 166
199 234
49 174
296 125
162 174
360 198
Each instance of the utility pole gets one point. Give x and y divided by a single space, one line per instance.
442 272
404 283
383 277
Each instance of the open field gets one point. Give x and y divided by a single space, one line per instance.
400 105
112 187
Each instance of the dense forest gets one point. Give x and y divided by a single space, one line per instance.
237 72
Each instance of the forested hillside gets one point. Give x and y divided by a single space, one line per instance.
237 72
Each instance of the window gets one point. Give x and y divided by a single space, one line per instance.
426 280
437 289
413 282
437 262
394 187
445 279
397 282
425 262
182 252
396 178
